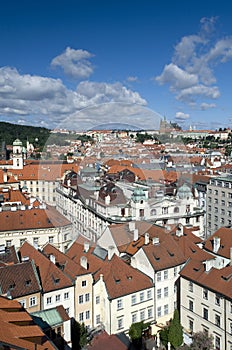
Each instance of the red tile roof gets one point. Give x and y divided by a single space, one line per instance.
52 278
32 219
104 341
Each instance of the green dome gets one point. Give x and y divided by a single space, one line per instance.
184 192
138 195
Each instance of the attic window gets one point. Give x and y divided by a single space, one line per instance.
28 283
170 253
156 257
129 277
12 286
56 280
117 280
196 269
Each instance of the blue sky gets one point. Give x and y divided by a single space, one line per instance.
79 64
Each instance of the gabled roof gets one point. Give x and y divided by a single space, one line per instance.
106 341
121 279
32 219
51 277
53 317
8 255
225 236
217 280
17 329
19 279
64 262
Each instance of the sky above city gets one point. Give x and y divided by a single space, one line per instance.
80 64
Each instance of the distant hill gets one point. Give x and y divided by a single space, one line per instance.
9 132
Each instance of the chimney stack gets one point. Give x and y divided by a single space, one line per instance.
84 262
111 251
86 247
132 225
136 234
216 244
146 238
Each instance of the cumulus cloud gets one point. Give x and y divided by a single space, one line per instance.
205 106
75 63
45 101
190 75
180 116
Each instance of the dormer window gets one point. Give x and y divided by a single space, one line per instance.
27 283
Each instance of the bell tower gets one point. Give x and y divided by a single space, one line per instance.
17 154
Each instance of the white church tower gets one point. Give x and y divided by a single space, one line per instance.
17 154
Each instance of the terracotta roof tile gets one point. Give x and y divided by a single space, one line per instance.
52 278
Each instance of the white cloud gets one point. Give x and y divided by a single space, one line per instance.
38 100
177 77
205 106
180 116
75 63
191 75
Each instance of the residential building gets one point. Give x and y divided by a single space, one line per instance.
20 281
80 275
57 287
219 203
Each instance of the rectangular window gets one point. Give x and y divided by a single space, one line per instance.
81 316
175 271
49 300
159 311
217 343
142 315
190 287
66 295
8 242
191 326
190 305
87 315
98 319
205 313
133 299
57 297
134 318
166 309
51 239
119 304
217 320
120 323
83 284
81 299
86 297
166 291
149 295
141 296
32 301
159 276
149 312
97 299
159 293
205 294
217 300
165 274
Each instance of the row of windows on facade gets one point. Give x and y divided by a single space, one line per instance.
223 212
9 242
141 315
58 298
222 202
222 221
37 182
205 315
205 295
222 193
221 183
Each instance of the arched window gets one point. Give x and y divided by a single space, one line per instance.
153 212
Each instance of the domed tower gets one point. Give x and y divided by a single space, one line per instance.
139 203
17 154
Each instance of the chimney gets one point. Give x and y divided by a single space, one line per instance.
136 234
230 255
208 265
216 244
131 225
111 252
179 230
155 240
52 259
107 200
84 262
146 238
101 277
5 176
86 247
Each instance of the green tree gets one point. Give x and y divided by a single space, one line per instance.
202 341
79 335
173 333
136 332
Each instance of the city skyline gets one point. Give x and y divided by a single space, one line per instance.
80 64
